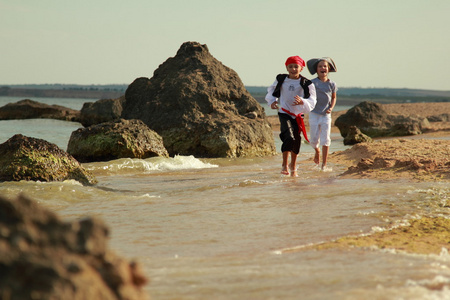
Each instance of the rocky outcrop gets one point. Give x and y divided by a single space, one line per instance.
371 119
29 109
407 125
113 140
355 136
43 257
26 158
445 117
200 107
101 111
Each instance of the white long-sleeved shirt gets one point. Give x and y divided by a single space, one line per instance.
289 89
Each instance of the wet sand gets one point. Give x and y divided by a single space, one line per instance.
423 157
422 236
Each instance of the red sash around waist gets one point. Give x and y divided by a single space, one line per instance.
299 119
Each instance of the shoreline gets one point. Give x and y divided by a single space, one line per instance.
424 236
422 158
419 157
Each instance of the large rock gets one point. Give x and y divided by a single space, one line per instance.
114 140
101 111
371 119
355 136
29 109
26 158
200 107
43 257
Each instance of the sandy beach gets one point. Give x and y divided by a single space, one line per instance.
422 157
419 157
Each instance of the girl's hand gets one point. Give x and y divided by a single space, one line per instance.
298 100
274 105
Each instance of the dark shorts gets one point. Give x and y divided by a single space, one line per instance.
289 134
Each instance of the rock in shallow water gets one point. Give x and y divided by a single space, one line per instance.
101 111
114 140
372 120
27 158
43 257
29 109
200 107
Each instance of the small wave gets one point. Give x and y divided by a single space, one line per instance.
148 165
248 182
439 282
244 183
184 162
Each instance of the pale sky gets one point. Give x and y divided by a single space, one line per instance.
379 43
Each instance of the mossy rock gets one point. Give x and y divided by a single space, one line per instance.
26 158
114 140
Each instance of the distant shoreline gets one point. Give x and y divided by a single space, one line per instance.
61 93
346 96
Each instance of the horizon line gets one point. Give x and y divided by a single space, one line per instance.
262 86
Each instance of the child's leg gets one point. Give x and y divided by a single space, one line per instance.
325 150
284 165
314 133
327 142
293 164
317 156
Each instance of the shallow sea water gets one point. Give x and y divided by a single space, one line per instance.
224 228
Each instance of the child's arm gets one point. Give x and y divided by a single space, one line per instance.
332 103
310 103
271 100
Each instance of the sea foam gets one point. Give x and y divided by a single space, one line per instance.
149 165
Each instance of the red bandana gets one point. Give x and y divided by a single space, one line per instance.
295 60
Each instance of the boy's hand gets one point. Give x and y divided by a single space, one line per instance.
274 105
298 100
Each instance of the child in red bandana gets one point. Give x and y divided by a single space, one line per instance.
291 102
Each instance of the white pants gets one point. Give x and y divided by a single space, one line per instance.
319 130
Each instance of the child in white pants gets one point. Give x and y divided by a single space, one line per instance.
320 116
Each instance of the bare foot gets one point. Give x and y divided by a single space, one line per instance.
284 170
293 171
317 156
326 169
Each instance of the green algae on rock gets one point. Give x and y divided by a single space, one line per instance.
114 140
27 158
